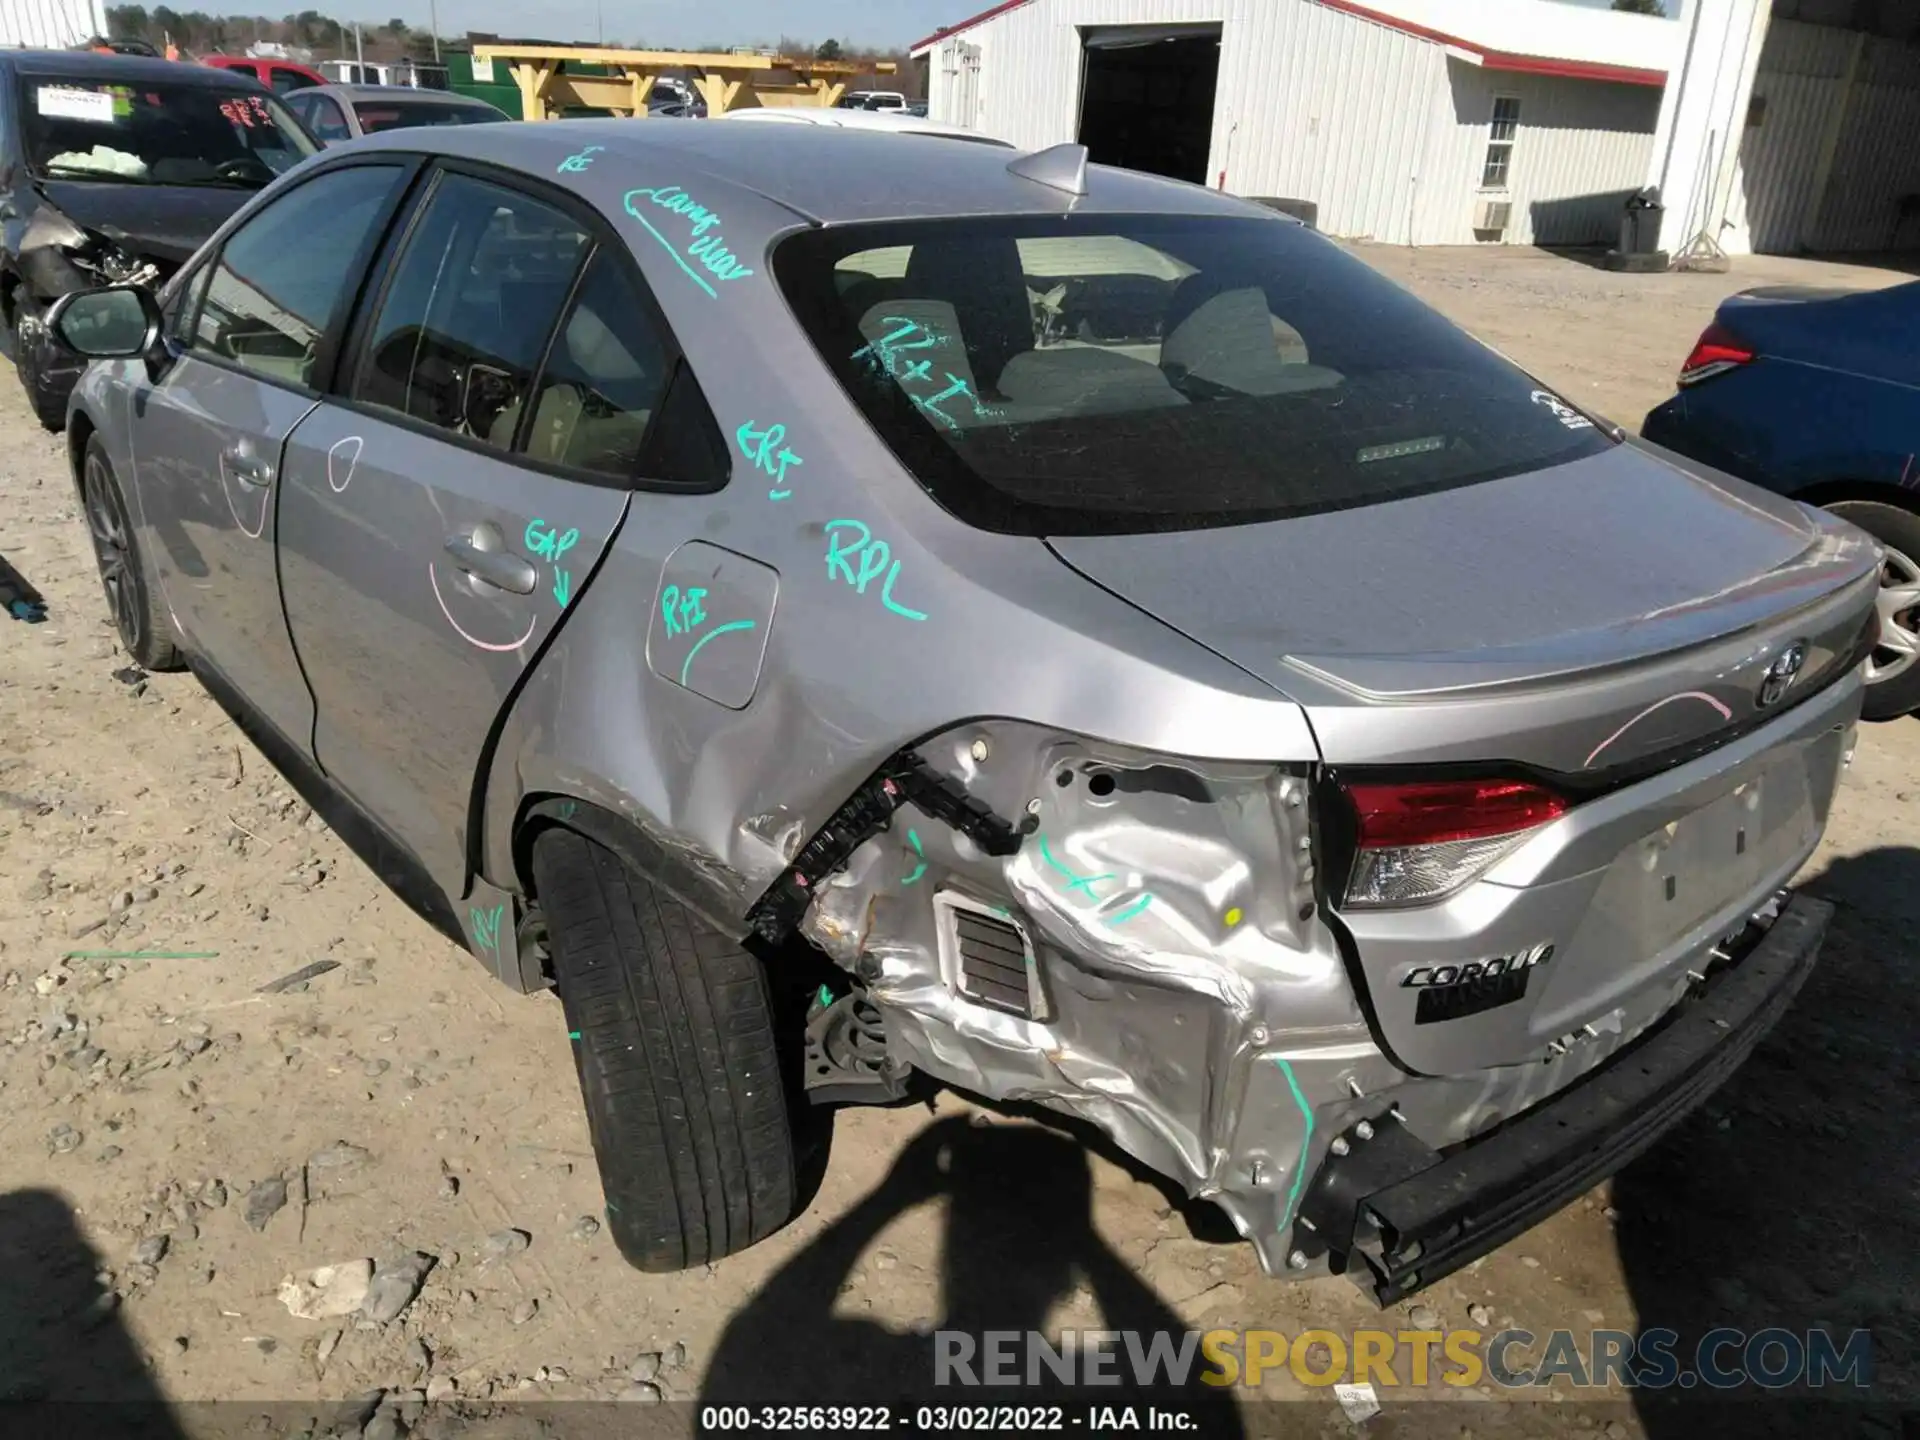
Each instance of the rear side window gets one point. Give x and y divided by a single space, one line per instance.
602 382
323 116
375 116
1119 374
282 276
476 292
286 81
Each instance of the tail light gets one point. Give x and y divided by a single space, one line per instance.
1717 351
1420 842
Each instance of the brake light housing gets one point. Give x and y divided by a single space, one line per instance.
1717 351
1419 842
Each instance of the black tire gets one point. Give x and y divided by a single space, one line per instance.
125 574
1898 529
677 1062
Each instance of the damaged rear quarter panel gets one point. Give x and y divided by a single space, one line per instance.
847 678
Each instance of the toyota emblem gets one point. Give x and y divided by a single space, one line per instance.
1781 674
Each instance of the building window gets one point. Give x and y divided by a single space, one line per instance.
1506 120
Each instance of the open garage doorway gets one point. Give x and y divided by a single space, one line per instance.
1829 154
1147 98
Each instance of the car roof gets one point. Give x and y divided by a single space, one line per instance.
885 121
89 65
406 95
830 174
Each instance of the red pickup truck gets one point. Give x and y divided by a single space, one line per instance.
280 76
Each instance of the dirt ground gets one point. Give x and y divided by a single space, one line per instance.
402 1102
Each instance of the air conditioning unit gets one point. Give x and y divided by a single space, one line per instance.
1492 215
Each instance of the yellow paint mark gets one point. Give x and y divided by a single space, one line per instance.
1234 917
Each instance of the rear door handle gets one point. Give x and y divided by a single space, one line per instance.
245 465
482 554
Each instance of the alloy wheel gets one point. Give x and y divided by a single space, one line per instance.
113 550
1899 606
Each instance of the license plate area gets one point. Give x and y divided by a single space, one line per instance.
1695 866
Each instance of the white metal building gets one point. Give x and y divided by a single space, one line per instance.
51 24
1460 121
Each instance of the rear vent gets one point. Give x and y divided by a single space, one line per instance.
988 958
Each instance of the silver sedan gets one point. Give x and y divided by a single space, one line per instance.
840 604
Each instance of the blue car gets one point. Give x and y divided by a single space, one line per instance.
1815 394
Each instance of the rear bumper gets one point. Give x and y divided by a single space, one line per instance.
1398 1215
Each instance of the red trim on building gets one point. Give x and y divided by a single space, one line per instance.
1500 60
1573 69
1394 22
1491 59
945 30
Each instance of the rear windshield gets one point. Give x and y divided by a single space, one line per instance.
1119 374
377 115
157 133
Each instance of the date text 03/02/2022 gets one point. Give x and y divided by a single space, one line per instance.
943 1419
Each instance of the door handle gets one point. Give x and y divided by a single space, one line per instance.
246 466
483 555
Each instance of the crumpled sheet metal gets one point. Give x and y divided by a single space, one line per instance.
1170 910
1225 1055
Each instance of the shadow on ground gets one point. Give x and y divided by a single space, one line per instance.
19 600
61 1336
1019 1239
1594 257
1789 1200
1905 262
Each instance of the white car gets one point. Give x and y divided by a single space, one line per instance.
861 120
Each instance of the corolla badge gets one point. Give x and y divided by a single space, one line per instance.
1781 674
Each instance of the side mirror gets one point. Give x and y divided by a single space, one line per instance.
119 322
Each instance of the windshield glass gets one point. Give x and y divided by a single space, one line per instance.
157 133
378 115
1118 374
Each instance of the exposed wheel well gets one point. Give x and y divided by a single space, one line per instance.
542 811
78 433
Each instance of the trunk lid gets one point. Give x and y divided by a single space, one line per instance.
1605 620
1793 294
1537 613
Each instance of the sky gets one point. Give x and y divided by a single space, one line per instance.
682 23
679 23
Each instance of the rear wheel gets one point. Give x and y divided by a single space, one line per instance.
124 576
1893 670
674 1043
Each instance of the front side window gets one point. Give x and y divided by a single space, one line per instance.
378 115
285 81
156 133
475 293
282 277
1121 374
1500 134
